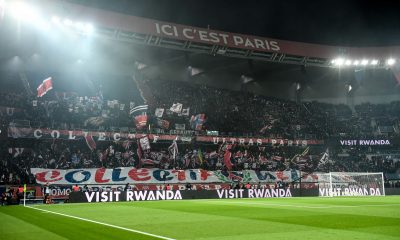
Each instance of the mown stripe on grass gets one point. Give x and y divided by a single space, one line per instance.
302 206
104 224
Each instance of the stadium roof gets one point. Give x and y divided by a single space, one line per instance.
340 22
41 50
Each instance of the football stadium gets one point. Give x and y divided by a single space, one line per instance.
189 120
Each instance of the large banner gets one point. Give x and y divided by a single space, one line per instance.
42 133
160 176
119 196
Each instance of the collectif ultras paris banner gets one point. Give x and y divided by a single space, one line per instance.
160 176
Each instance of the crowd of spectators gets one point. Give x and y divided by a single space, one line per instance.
16 162
230 113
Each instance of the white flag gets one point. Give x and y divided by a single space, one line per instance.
176 108
159 112
145 143
185 111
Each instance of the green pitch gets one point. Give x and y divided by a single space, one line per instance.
291 218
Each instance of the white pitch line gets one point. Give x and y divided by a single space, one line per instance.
105 224
303 206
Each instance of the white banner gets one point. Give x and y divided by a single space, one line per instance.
157 176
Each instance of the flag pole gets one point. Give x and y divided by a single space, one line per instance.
24 194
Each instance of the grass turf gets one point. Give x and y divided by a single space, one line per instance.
289 218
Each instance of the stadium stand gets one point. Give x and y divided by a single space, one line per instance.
244 114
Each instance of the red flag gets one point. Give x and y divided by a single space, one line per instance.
141 121
277 158
90 142
227 157
46 86
104 155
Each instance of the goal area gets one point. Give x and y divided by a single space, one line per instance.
335 184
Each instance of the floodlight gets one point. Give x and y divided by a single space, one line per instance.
374 62
67 22
348 62
364 62
23 11
356 62
391 61
339 61
89 28
56 20
79 26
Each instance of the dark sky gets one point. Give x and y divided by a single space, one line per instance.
334 22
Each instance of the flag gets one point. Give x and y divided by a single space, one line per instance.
187 161
173 149
151 162
196 122
141 121
159 112
195 71
277 158
94 121
227 157
15 152
262 159
162 123
305 152
200 156
25 187
265 128
325 158
104 155
186 139
138 109
44 87
144 143
185 111
90 142
140 65
213 154
176 108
